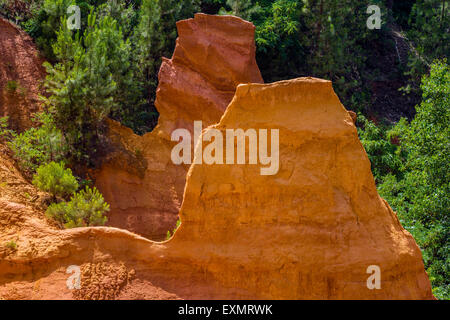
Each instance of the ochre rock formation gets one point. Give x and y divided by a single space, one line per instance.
311 230
21 73
308 232
213 55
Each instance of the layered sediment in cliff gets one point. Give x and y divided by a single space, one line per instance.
212 56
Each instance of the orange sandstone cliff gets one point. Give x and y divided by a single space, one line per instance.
308 232
213 55
311 230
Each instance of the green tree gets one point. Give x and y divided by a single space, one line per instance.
428 30
38 145
45 23
54 178
246 9
385 156
45 20
126 14
85 208
421 196
90 79
280 52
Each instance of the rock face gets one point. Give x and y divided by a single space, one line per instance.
311 230
308 232
144 198
212 56
34 254
21 72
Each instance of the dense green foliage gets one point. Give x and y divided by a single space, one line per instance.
56 179
327 39
45 23
414 175
429 32
385 156
154 38
5 133
36 151
37 145
85 208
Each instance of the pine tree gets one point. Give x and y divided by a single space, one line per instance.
242 8
90 79
430 34
54 178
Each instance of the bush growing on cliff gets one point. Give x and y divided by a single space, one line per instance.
56 179
385 156
35 146
38 145
85 208
11 245
5 133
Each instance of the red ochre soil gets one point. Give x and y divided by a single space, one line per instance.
20 63
308 232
